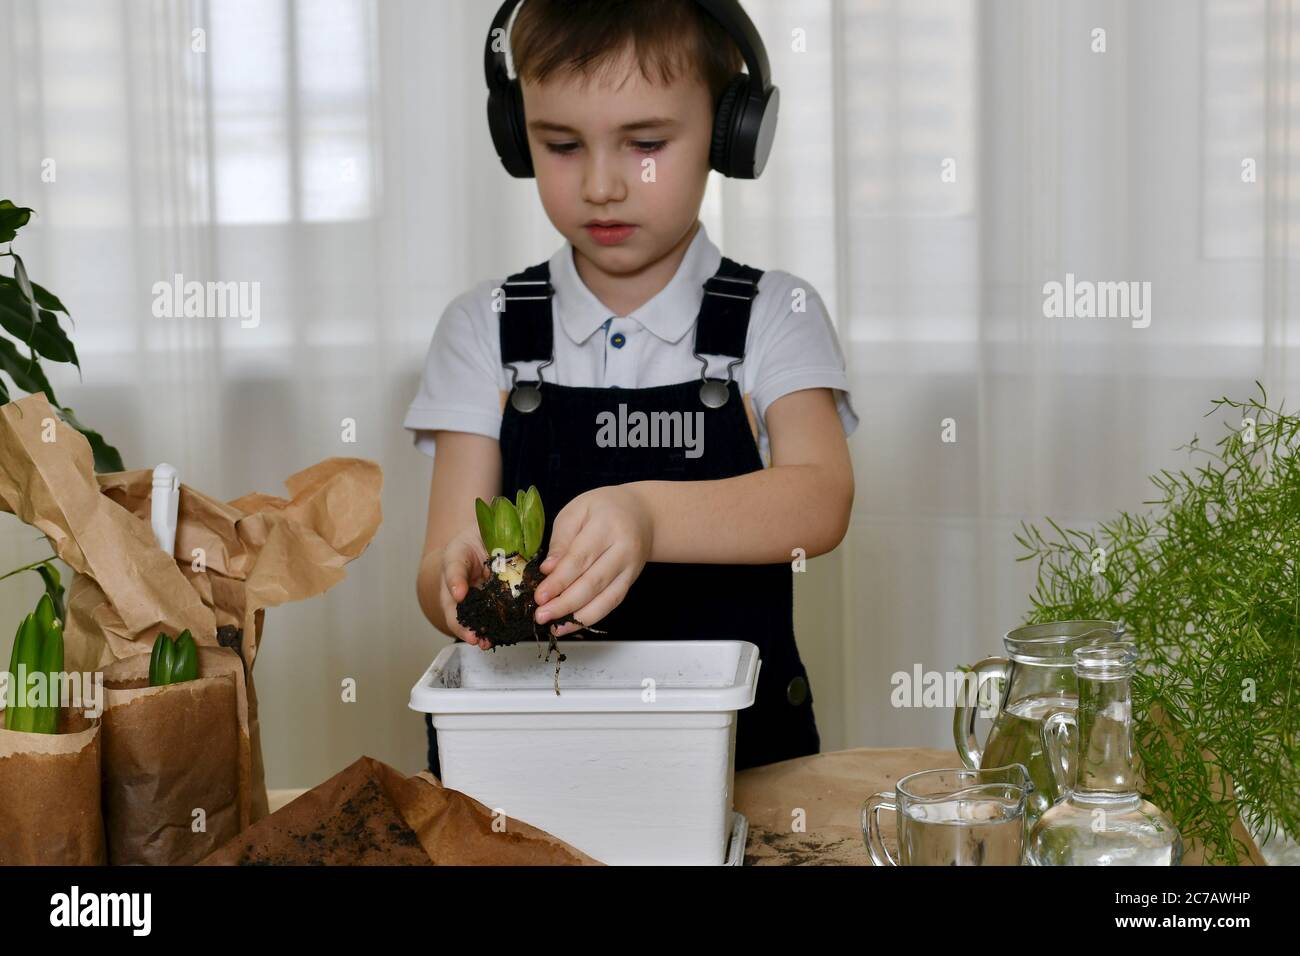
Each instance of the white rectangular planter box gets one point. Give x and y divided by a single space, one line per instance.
633 762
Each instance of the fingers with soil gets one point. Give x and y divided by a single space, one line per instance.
596 592
608 598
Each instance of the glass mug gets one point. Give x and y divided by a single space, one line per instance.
953 818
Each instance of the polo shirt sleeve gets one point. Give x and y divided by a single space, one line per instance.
459 389
793 350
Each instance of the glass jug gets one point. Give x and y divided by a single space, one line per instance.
1103 820
1035 679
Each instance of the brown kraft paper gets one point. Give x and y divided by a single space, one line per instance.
370 814
232 559
49 795
170 751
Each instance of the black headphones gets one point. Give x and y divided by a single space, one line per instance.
745 123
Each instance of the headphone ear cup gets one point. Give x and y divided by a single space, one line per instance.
509 133
519 127
720 157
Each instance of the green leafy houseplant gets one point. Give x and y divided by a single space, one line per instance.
1207 583
28 316
29 321
50 575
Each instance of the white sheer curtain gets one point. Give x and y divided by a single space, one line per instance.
938 161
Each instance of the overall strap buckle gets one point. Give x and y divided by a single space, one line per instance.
526 332
722 325
528 285
526 396
714 392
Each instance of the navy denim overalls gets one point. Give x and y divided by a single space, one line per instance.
554 446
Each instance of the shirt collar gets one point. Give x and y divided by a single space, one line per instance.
669 315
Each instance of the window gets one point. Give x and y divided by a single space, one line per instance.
910 88
1233 110
291 94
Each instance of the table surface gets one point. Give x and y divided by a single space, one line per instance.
808 811
805 811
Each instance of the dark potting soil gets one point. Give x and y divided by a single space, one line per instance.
232 637
365 829
492 612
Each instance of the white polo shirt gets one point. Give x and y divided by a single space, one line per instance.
464 382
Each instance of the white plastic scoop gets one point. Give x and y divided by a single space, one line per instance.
165 503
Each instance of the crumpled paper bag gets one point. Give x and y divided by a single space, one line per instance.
50 812
172 750
232 560
370 814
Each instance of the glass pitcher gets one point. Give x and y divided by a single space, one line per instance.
1035 679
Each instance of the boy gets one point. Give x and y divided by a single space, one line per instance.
620 104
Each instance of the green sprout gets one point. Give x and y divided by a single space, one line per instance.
501 611
173 660
38 649
512 528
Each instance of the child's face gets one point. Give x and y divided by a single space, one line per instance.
592 163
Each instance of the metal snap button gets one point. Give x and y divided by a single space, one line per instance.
714 394
797 691
526 398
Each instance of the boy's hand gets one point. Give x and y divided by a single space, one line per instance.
600 542
462 567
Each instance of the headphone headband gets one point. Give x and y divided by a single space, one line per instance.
736 22
494 62
729 13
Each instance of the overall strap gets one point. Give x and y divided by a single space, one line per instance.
723 320
525 318
722 325
526 331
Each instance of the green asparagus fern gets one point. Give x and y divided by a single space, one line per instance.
1206 582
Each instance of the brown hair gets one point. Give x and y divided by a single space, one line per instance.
582 36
